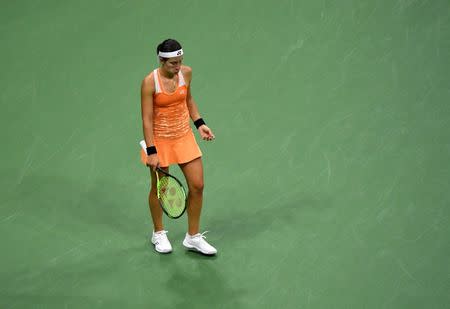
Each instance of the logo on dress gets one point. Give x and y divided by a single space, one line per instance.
182 91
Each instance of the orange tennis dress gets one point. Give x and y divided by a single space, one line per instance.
173 137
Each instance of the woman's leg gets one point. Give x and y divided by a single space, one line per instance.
193 172
159 237
155 210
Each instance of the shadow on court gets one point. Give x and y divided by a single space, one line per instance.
296 215
201 284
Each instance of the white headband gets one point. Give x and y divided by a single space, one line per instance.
176 53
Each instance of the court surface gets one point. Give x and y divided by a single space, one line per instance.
327 185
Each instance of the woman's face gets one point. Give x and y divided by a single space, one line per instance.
173 65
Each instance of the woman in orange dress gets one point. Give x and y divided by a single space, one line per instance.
167 106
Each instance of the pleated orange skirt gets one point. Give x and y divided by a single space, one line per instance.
175 151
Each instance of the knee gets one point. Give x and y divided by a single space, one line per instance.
196 187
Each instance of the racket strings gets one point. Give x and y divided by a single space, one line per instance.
172 196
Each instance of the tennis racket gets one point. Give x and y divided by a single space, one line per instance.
171 194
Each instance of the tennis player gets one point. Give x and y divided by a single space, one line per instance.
167 106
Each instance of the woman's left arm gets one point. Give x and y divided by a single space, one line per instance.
203 129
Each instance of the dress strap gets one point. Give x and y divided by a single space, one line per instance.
181 81
156 78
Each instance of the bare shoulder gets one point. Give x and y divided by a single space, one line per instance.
186 69
148 83
187 72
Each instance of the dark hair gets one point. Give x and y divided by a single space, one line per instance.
168 45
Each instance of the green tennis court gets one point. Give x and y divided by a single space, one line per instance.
327 185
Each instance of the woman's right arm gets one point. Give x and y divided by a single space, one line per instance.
147 90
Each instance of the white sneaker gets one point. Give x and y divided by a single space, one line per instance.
161 242
198 243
